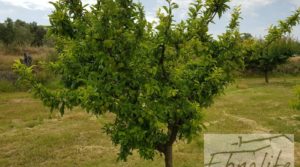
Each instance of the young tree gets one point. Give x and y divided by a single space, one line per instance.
278 53
156 81
275 48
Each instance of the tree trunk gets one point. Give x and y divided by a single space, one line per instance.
167 148
168 156
266 77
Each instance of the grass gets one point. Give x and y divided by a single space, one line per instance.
7 58
31 136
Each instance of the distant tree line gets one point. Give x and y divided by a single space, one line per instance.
21 33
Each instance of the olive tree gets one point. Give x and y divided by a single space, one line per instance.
156 79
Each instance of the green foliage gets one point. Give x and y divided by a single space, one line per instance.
296 47
296 103
275 49
246 36
276 53
155 80
21 33
38 34
7 32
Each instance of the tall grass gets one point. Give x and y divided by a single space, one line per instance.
291 67
8 55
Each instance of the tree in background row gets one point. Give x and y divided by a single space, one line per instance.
7 33
21 33
155 79
278 53
275 49
39 33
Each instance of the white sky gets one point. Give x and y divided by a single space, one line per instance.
257 15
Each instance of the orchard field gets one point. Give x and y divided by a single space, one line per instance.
31 136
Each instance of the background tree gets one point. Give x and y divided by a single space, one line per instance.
246 36
7 34
278 53
275 48
2 31
20 33
249 50
39 33
156 81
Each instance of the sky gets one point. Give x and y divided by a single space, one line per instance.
257 15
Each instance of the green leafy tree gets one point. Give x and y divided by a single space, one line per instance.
275 48
156 80
278 53
38 33
249 49
246 36
22 34
2 31
7 34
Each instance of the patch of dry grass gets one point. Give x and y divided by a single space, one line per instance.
31 136
7 59
295 58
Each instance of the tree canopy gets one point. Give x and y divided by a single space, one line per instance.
275 48
21 33
155 78
7 31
